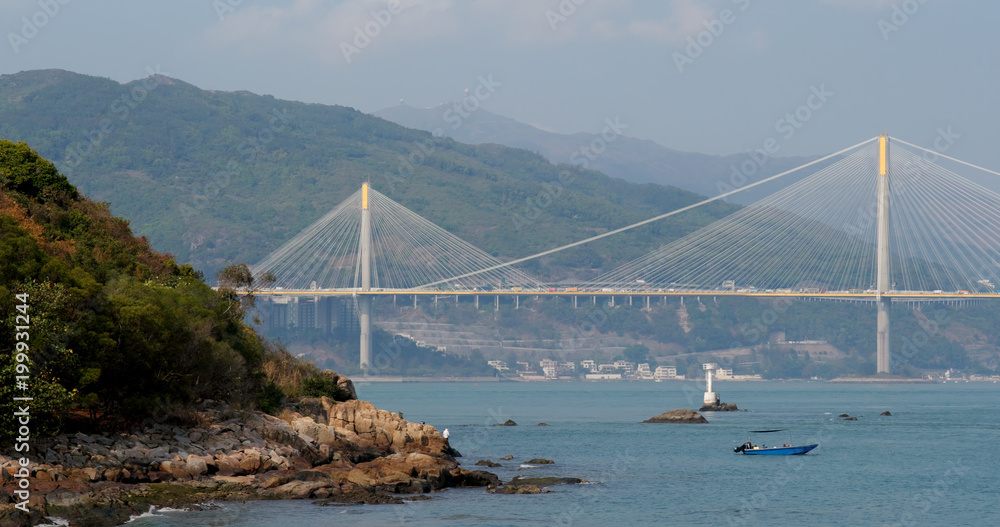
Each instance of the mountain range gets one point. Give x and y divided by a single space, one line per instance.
609 149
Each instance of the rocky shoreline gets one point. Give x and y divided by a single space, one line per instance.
346 452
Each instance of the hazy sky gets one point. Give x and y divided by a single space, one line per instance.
714 76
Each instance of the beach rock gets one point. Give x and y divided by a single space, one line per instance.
843 415
886 413
508 457
509 422
678 416
338 451
543 424
540 461
850 419
487 463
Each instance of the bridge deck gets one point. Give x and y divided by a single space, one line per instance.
640 293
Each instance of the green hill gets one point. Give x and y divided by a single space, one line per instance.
105 330
216 177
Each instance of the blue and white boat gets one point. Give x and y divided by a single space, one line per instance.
785 449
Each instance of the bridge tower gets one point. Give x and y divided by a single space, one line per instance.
364 299
883 281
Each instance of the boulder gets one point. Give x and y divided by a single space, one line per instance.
721 407
540 461
487 463
520 485
843 415
509 422
678 416
850 419
886 413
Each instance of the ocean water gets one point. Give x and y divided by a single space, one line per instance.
935 461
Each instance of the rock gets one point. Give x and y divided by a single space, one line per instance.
196 466
520 485
487 463
843 415
518 489
721 407
540 461
850 419
475 478
886 413
543 424
508 457
678 416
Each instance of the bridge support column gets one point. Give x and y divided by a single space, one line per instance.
574 301
517 301
364 300
497 304
477 302
883 275
365 321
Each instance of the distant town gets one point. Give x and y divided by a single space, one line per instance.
619 370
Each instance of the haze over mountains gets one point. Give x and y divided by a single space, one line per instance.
608 149
220 177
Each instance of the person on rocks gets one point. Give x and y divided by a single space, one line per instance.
446 433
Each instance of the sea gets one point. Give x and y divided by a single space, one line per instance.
934 461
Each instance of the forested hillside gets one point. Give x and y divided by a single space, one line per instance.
217 177
98 328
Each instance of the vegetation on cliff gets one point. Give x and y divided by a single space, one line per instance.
117 332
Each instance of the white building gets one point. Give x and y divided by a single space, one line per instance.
588 365
665 372
625 366
498 365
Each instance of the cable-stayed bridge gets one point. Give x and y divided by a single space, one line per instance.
880 223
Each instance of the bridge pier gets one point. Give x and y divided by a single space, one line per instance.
364 300
883 279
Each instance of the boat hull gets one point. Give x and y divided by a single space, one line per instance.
780 451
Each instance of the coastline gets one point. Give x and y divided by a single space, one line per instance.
320 449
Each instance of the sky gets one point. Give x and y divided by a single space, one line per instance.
711 76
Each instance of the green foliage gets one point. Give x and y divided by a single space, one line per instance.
116 329
215 177
23 171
